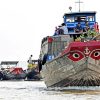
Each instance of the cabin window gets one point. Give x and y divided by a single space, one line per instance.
80 18
90 18
70 19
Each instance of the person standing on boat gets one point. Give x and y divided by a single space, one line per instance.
44 59
39 64
56 31
78 28
64 28
87 27
30 63
96 27
60 30
30 59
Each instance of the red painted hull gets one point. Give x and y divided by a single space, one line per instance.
77 65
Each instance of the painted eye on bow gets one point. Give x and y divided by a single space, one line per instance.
75 56
95 54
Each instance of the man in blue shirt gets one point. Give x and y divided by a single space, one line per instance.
78 28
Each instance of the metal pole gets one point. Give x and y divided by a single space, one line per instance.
79 4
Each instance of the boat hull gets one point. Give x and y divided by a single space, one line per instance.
1 76
33 75
66 70
11 76
16 73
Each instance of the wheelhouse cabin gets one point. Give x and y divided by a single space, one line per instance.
72 19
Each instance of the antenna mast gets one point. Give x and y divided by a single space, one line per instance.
79 2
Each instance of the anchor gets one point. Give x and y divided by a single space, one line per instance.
87 51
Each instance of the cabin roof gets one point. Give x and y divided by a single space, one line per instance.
80 13
33 61
9 62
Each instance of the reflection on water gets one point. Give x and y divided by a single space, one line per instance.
33 90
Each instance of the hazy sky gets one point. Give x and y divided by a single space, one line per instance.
23 23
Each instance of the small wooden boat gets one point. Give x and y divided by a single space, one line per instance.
33 70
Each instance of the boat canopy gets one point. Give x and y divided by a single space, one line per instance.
9 62
34 61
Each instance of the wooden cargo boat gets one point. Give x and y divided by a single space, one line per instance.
68 60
